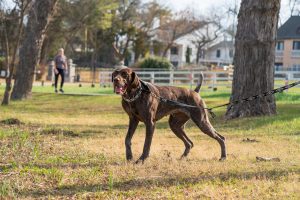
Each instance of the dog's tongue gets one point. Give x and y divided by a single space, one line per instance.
119 89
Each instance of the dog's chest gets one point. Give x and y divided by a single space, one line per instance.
132 110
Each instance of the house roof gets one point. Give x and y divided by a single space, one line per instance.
290 29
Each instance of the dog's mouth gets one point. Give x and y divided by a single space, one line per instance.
120 89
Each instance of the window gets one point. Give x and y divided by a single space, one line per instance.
201 53
174 51
296 67
189 50
218 53
188 54
278 66
296 45
231 53
280 46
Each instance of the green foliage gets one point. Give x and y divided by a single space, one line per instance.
155 62
110 181
6 190
51 176
2 63
77 22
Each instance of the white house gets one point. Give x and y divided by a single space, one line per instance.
219 54
177 54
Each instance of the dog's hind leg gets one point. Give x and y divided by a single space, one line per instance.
222 137
177 122
205 126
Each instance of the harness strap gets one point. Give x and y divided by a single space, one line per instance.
138 94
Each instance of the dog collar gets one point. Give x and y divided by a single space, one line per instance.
138 94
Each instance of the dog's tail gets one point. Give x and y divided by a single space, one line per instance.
197 89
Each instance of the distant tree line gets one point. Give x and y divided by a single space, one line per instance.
97 33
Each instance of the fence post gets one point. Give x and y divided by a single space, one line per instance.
290 75
214 80
171 78
101 78
191 76
152 76
71 72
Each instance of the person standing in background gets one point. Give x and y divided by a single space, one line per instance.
60 67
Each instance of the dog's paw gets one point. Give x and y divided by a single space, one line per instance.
182 158
131 161
222 159
140 160
129 158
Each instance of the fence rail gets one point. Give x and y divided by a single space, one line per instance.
211 79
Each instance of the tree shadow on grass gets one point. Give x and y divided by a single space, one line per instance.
135 184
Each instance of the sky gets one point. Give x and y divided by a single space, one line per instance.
202 7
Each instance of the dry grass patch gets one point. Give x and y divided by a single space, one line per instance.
78 153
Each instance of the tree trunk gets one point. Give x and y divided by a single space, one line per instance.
254 58
165 52
44 51
11 65
38 20
198 55
6 96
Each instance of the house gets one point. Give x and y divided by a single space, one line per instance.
219 54
288 45
176 42
181 38
180 51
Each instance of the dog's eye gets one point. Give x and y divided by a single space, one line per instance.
124 74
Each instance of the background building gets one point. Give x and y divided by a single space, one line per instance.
288 45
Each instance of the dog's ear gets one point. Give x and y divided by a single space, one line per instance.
134 80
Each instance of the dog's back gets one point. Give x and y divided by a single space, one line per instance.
179 94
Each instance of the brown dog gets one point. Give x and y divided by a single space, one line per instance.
149 103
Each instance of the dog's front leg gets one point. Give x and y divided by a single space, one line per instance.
150 126
133 123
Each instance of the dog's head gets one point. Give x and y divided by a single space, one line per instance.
124 80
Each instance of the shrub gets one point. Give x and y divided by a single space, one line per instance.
155 62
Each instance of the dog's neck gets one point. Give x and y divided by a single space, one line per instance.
132 92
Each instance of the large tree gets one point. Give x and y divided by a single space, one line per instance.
12 31
254 58
38 20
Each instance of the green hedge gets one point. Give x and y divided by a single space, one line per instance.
155 62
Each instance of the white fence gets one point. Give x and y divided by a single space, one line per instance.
211 79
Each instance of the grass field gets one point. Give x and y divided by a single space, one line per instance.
72 147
